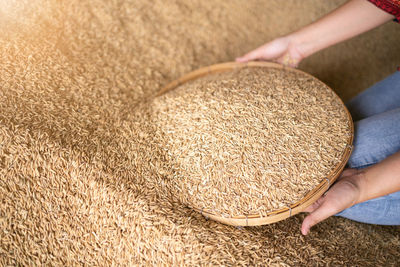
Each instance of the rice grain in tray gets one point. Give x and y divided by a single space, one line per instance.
251 141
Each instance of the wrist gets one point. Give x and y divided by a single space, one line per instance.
304 44
359 181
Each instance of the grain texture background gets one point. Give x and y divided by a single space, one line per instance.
77 184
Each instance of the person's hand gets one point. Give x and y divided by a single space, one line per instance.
342 195
282 50
339 25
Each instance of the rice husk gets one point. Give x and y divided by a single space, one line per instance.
250 141
77 162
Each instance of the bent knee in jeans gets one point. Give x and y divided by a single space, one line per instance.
377 136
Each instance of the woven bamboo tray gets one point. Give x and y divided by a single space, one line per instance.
295 208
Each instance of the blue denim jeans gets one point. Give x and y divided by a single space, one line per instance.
376 115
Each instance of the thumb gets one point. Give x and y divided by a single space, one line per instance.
253 55
324 211
315 205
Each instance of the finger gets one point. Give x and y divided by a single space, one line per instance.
312 207
315 205
253 55
318 215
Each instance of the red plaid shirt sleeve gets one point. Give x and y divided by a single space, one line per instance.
390 6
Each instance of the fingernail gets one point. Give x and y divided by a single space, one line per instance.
304 231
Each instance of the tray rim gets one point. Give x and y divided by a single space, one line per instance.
311 196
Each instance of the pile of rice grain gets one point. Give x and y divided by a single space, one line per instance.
250 140
77 181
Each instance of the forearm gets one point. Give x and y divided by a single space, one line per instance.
349 20
380 179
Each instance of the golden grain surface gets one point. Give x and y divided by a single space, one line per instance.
250 141
78 179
